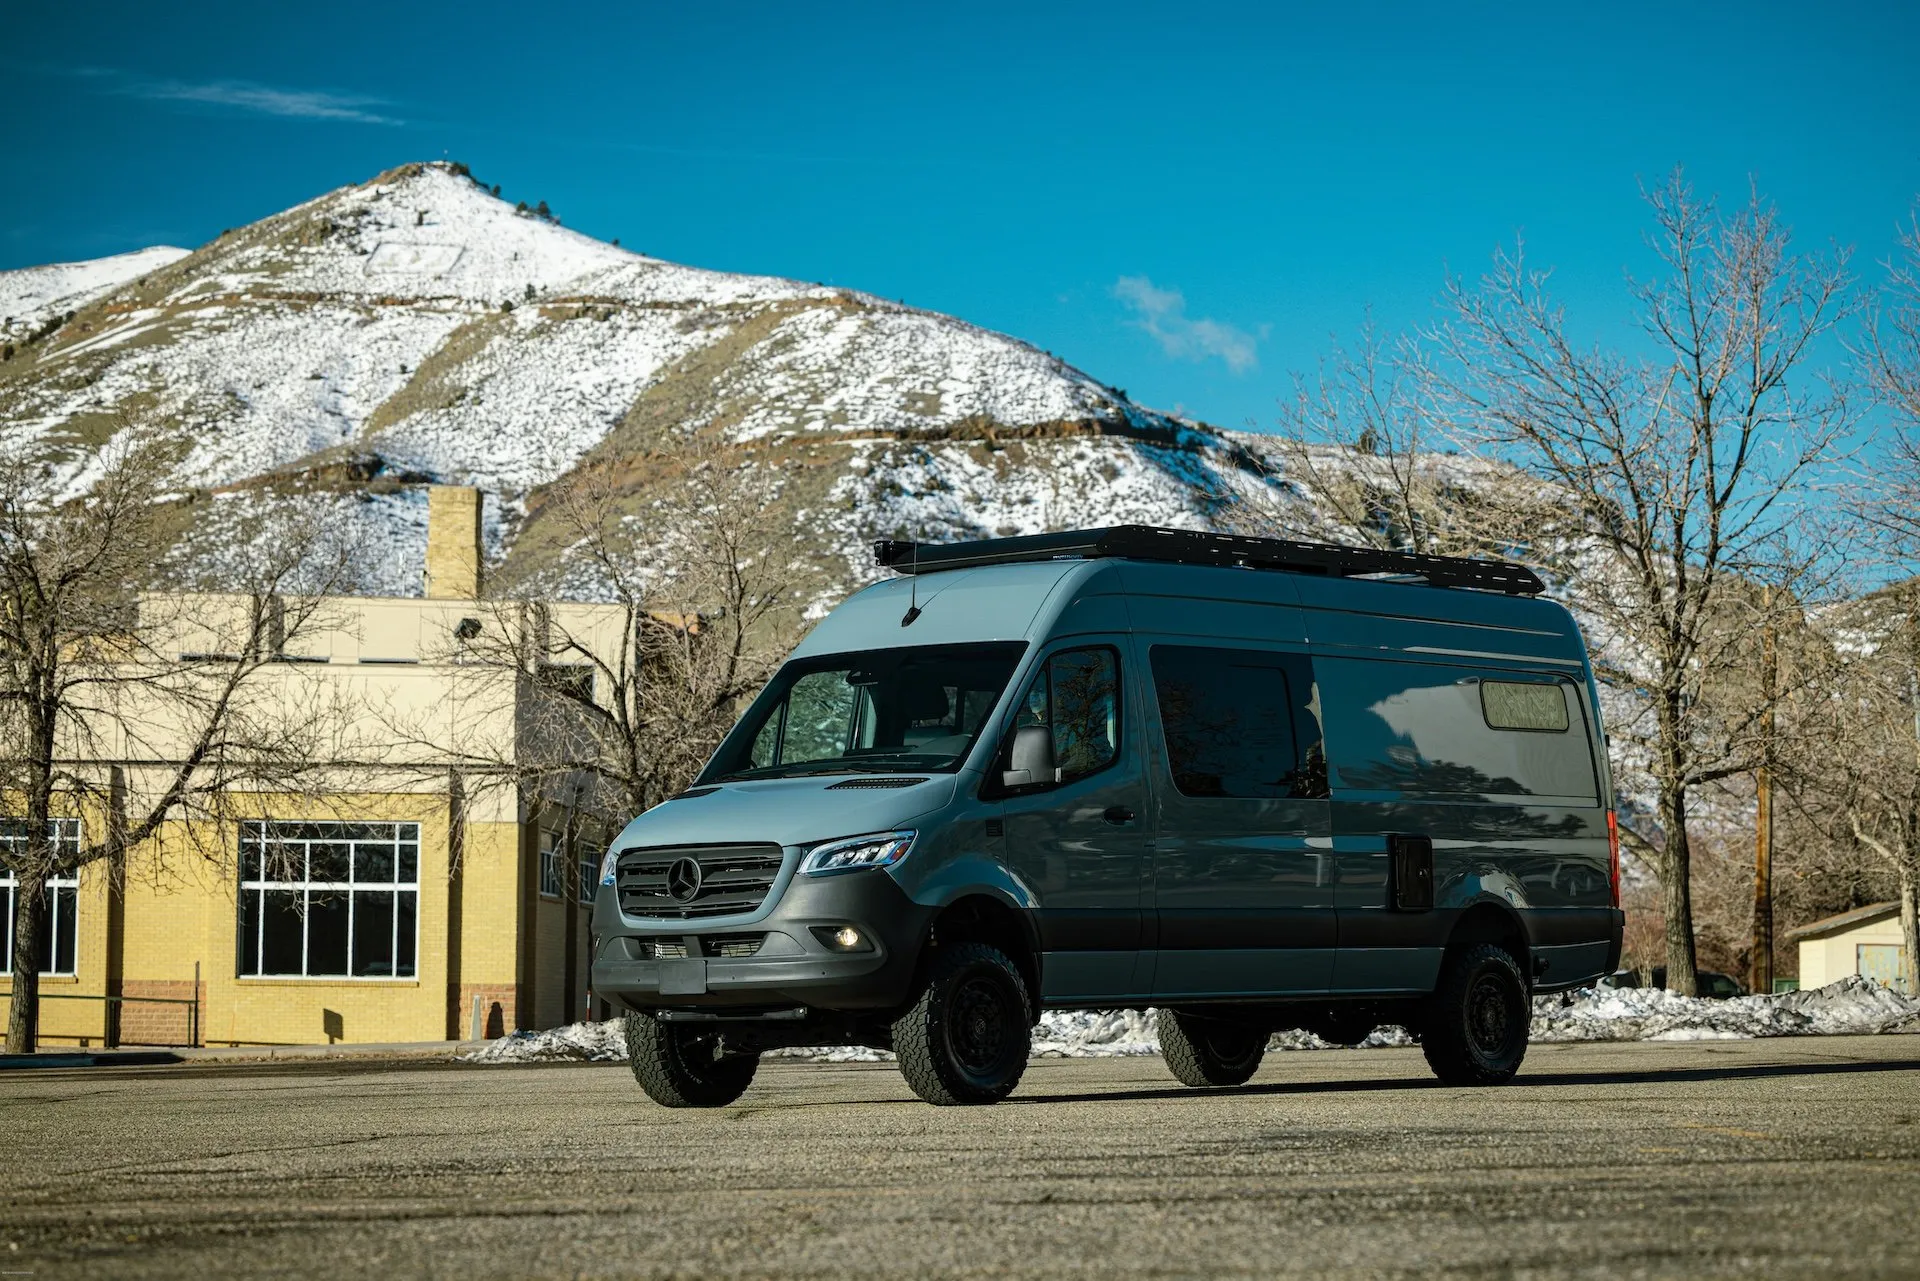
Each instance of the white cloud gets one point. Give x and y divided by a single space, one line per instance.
303 104
1163 313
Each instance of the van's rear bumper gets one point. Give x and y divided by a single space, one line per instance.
793 967
1568 952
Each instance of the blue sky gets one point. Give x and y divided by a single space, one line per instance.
1188 201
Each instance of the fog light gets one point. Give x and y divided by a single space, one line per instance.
842 938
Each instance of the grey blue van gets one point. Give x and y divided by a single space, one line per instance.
1254 784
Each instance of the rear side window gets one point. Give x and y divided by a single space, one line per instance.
1239 723
1425 728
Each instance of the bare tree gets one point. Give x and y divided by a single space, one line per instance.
1857 767
1367 461
633 645
1892 360
1690 469
125 704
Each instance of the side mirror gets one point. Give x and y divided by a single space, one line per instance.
1030 758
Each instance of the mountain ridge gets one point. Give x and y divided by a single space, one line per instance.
415 328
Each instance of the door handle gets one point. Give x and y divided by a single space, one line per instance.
1118 815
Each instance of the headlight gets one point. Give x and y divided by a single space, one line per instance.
609 863
883 849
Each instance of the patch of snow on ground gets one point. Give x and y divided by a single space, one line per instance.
1852 1006
603 1042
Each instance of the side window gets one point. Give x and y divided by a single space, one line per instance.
1239 723
1536 706
1076 694
1417 727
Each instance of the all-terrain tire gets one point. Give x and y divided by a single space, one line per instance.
1209 1052
966 1037
681 1068
1474 1028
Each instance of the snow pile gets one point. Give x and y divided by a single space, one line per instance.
575 1043
1081 1034
1852 1006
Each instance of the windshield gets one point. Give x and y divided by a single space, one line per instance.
884 710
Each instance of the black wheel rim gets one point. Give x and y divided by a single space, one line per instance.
1490 1016
698 1054
1232 1047
980 1027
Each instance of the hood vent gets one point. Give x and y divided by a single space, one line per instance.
889 781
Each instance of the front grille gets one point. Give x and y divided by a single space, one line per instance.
733 878
660 949
875 782
732 944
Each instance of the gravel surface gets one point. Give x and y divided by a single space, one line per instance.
1781 1157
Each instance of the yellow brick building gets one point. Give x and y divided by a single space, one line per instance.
409 899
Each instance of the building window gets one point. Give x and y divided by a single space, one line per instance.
329 900
57 939
552 860
589 875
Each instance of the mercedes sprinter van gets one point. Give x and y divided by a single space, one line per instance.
1254 784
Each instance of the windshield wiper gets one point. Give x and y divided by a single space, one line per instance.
854 765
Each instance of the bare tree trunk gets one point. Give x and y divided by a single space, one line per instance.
1676 883
29 919
1910 928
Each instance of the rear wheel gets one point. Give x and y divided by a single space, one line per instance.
1474 1031
1203 1052
681 1068
966 1037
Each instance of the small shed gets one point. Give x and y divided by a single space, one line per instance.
1866 941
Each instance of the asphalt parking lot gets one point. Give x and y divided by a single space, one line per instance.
1776 1158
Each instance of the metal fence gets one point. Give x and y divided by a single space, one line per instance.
114 1004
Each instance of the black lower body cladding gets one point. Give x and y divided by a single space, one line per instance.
684 965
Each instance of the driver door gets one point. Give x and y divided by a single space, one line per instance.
1080 840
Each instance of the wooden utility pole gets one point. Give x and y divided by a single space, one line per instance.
1760 968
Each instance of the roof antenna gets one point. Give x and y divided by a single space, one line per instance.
913 589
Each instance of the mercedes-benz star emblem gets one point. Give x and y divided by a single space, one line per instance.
683 879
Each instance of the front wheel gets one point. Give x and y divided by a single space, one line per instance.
681 1068
1474 1031
966 1037
1202 1052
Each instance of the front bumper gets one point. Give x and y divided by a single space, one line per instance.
793 967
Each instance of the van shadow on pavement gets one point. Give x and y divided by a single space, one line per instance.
1655 1076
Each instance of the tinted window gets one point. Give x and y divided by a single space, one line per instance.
1076 694
1239 722
1419 727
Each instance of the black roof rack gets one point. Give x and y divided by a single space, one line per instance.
1191 547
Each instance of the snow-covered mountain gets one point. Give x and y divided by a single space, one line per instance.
31 297
416 327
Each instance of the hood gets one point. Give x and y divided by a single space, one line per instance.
787 811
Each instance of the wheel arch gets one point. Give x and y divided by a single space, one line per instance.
1492 921
977 914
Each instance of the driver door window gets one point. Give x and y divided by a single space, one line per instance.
1076 695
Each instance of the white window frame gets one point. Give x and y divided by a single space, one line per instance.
65 832
553 850
588 860
254 836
